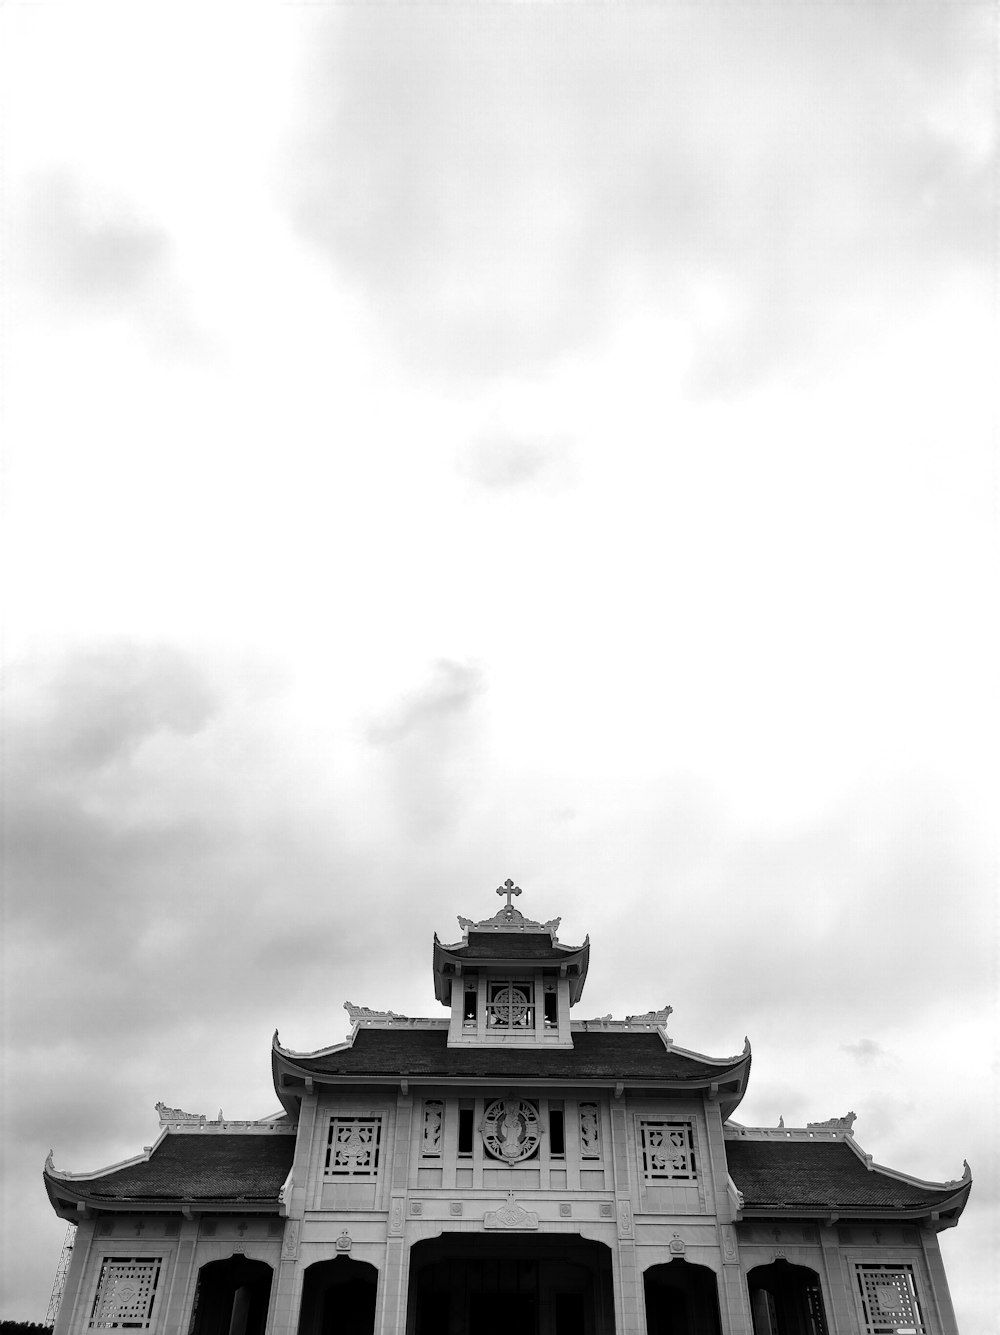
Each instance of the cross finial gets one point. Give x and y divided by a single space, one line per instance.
510 890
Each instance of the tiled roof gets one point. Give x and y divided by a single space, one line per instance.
511 945
820 1176
594 1056
195 1167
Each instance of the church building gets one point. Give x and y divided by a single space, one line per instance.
505 1169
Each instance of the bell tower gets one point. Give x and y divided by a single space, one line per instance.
509 982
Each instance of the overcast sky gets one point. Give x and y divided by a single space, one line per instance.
451 442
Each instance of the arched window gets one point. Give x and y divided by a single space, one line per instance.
232 1297
681 1299
786 1300
338 1298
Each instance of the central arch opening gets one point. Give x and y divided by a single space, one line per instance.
518 1285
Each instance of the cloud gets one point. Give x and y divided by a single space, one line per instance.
87 252
503 182
429 712
866 1051
509 463
430 751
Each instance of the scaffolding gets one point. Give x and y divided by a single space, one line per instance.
62 1269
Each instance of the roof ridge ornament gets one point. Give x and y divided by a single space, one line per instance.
508 918
357 1013
179 1115
838 1123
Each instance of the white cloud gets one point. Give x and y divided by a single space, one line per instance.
505 181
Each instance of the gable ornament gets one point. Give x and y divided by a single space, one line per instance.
510 1215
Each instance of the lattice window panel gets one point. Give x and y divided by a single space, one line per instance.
352 1147
433 1130
590 1131
889 1303
667 1151
125 1293
511 1005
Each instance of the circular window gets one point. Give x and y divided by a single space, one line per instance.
510 1130
510 1007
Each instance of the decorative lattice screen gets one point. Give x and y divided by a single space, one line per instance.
352 1148
889 1302
125 1292
667 1151
590 1131
430 1146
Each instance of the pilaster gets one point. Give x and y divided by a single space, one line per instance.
393 1285
183 1279
286 1294
841 1314
79 1268
940 1294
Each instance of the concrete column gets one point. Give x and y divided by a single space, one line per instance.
401 1144
734 1297
393 1286
630 1307
179 1294
841 1310
286 1298
81 1282
940 1295
630 1302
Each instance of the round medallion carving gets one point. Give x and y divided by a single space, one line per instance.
510 1130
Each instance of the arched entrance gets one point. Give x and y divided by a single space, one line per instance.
786 1300
461 1284
338 1298
232 1297
681 1299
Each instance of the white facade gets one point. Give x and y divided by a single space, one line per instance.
505 1168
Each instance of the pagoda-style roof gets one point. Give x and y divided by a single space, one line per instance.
210 1171
512 940
834 1179
637 1060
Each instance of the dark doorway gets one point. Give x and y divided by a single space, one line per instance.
681 1299
232 1297
502 1314
338 1298
510 1285
786 1300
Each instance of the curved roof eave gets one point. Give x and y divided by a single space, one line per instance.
74 1205
278 1049
64 1175
956 1183
945 1212
729 1063
736 1069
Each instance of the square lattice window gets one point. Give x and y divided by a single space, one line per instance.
888 1298
352 1147
125 1293
667 1151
